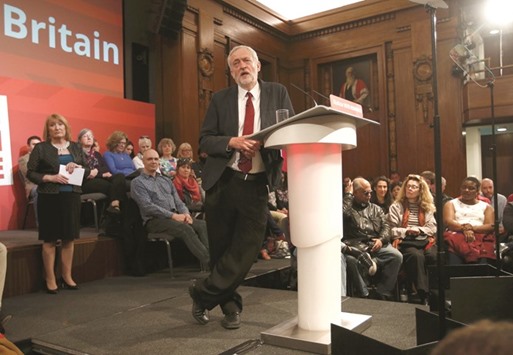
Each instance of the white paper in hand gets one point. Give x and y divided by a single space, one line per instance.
75 178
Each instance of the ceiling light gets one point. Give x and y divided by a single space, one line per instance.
301 8
499 11
502 129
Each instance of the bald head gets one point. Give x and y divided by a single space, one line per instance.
487 188
151 161
361 190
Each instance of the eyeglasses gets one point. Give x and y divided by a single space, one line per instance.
183 161
414 176
122 143
412 187
367 193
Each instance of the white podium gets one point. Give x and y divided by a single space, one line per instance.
314 141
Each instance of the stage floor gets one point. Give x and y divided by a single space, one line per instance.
151 314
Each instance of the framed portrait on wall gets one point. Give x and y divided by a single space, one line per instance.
354 79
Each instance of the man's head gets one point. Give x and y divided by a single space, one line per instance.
361 190
487 188
32 141
151 161
244 66
430 179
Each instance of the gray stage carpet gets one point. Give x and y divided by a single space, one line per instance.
151 315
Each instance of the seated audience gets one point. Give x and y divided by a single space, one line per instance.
187 187
507 217
380 194
30 187
366 229
430 179
413 224
487 189
118 161
4 317
144 145
163 211
101 179
129 149
166 148
395 187
395 177
184 151
469 221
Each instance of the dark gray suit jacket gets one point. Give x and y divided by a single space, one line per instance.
222 121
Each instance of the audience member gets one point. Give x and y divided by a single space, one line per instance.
163 211
58 203
395 177
381 196
413 225
144 145
187 187
4 317
118 161
366 229
30 187
166 148
484 337
487 189
100 178
430 179
395 187
129 149
184 151
235 178
469 223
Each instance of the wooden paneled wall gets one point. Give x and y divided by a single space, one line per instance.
397 33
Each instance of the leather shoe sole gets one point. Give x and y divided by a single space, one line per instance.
231 321
199 313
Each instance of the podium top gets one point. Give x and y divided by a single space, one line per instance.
314 112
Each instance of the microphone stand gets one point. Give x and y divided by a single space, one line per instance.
438 172
493 148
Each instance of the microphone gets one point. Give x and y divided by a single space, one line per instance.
321 95
304 92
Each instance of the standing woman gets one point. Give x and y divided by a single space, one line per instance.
58 203
413 225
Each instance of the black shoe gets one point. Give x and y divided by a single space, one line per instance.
51 291
366 261
4 319
199 312
66 286
113 210
231 321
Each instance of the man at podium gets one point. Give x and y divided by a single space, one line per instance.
236 177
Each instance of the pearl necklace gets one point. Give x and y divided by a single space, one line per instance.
61 148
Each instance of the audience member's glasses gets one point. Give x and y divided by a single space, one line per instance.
88 136
184 161
122 143
414 176
412 187
367 193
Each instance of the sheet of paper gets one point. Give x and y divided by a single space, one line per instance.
75 178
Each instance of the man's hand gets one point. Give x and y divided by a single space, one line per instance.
377 244
184 218
247 147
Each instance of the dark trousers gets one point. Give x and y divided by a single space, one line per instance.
115 187
236 215
415 263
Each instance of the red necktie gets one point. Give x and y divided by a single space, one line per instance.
245 164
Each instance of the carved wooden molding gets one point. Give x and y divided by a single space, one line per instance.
206 70
423 73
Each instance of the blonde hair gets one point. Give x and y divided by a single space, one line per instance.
60 119
183 146
425 197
